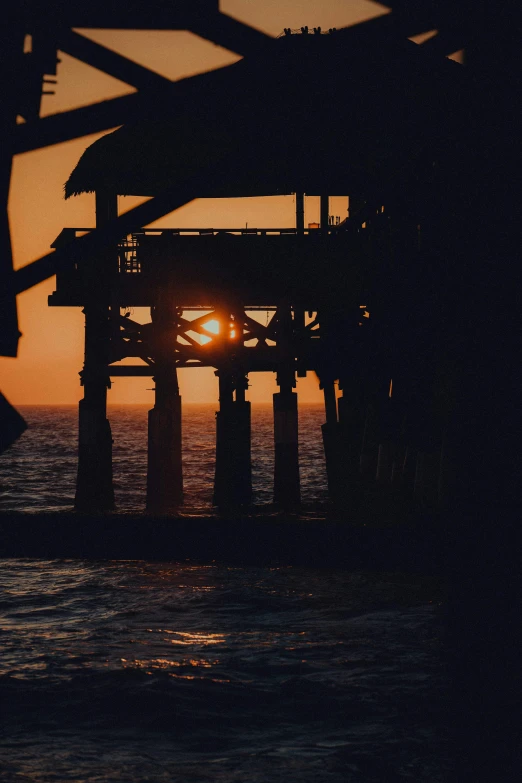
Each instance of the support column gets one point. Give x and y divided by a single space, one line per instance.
287 490
94 489
352 411
299 212
242 417
342 440
331 442
233 476
342 464
324 213
164 464
369 445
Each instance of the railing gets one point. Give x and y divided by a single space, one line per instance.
68 234
130 256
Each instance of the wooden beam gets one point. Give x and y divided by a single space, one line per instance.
231 34
11 52
110 62
131 370
445 42
104 115
67 125
112 14
403 22
85 247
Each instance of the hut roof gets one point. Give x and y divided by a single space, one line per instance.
318 113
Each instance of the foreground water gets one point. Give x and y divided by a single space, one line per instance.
135 671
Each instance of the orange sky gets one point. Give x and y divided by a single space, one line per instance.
51 349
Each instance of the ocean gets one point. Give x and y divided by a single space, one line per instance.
136 670
38 473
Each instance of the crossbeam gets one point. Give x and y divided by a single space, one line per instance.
113 63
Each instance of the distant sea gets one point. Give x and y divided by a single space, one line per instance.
135 671
38 473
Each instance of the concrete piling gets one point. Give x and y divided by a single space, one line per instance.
287 491
332 444
164 466
94 488
233 473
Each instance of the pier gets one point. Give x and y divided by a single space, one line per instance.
407 311
364 303
387 307
311 283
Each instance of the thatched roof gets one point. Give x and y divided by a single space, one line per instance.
326 113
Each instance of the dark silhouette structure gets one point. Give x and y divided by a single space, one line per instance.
260 147
360 111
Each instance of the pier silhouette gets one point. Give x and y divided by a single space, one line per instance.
426 151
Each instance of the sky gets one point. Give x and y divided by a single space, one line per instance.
50 352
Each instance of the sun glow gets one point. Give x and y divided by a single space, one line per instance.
212 326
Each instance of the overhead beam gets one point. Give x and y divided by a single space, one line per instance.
67 125
231 34
64 126
446 42
131 370
88 245
113 14
404 19
110 62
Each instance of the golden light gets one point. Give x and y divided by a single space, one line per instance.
214 327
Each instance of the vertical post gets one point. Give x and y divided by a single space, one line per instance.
287 490
233 476
330 403
324 209
387 452
243 452
94 489
369 445
346 441
331 442
223 495
11 54
299 212
165 466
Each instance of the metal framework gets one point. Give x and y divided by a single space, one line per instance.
32 37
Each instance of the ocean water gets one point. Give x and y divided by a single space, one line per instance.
38 473
134 671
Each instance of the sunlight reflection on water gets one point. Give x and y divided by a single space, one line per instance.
218 673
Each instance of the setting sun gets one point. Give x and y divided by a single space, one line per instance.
212 326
